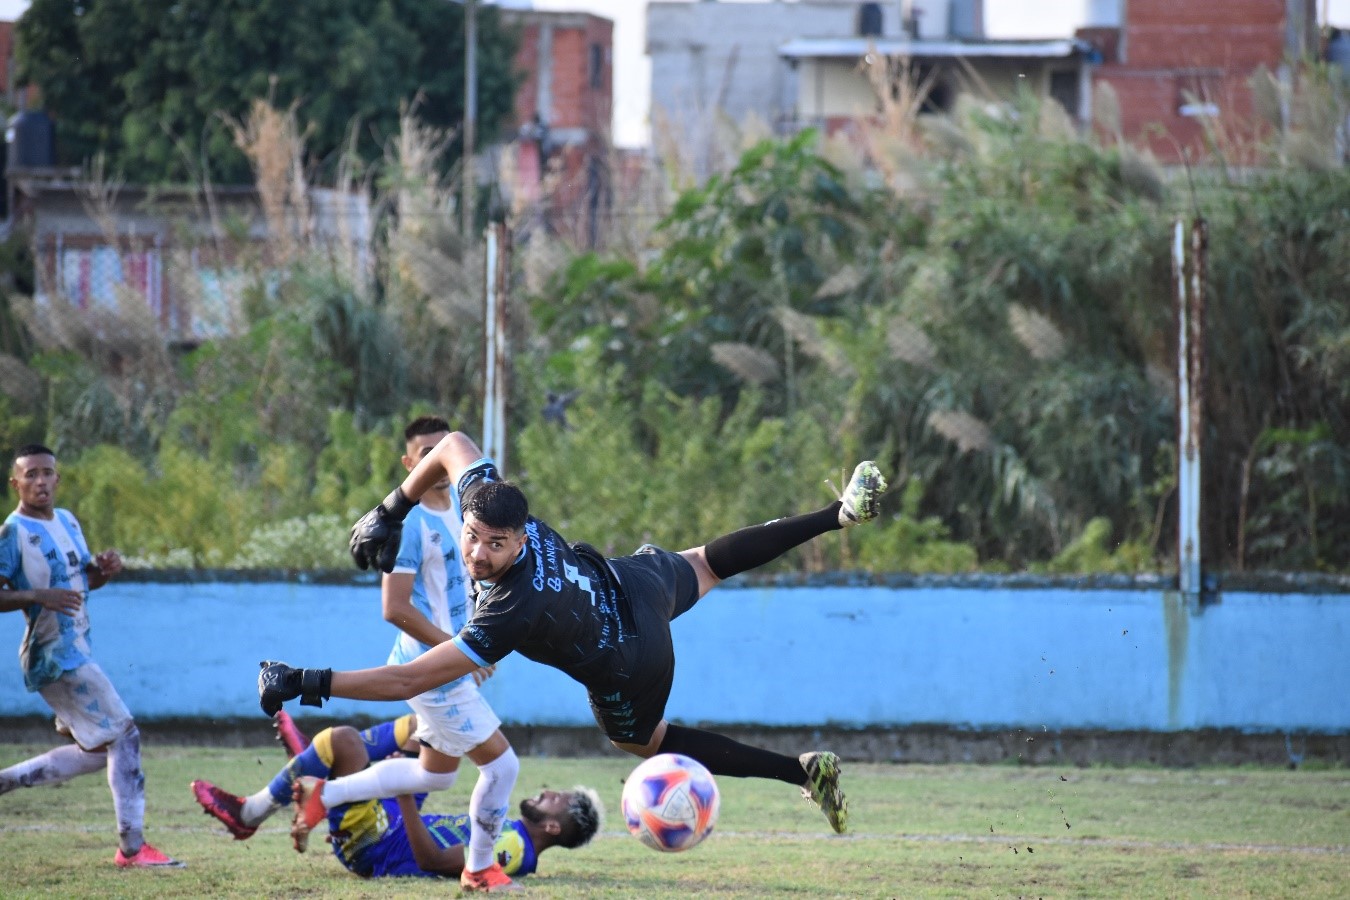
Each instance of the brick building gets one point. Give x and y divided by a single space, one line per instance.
1174 63
802 64
563 110
7 60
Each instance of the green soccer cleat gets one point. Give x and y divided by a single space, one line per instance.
822 787
862 498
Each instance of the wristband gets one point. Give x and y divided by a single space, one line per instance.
397 505
315 686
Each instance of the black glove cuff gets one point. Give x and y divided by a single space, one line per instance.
315 686
397 505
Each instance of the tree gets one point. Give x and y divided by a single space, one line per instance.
151 83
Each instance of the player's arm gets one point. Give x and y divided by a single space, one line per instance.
14 599
62 600
396 597
278 682
376 535
396 602
452 455
429 855
439 665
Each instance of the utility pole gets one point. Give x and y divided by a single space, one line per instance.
466 213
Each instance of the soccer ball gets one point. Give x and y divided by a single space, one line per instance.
670 802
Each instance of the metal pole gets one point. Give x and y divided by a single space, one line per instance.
1196 370
503 379
496 382
1189 294
491 440
466 213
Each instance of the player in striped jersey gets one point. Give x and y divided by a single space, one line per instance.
425 595
48 571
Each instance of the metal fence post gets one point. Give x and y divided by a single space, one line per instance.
496 365
1190 277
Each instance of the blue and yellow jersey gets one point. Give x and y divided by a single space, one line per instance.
370 840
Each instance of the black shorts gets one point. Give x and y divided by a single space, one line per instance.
659 586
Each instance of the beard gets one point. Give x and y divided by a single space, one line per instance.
530 812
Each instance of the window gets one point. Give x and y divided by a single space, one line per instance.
1064 88
597 66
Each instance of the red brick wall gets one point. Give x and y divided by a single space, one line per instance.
1208 48
1232 45
576 104
1203 12
580 112
6 53
527 63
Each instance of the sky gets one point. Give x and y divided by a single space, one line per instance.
632 70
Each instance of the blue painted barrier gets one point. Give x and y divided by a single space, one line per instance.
978 653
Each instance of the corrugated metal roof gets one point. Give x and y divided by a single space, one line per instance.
855 47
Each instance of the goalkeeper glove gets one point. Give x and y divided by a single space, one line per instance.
278 682
376 535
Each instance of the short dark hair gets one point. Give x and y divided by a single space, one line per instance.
425 425
584 813
33 450
498 504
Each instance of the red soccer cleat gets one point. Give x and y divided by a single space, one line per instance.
146 858
290 735
226 807
491 880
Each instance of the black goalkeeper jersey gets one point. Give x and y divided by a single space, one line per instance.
555 605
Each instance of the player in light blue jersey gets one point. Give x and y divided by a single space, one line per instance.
426 596
48 571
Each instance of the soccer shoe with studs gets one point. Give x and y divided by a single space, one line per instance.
146 858
862 497
307 792
225 807
290 735
491 880
822 787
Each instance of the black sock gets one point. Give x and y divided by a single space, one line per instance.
752 547
723 756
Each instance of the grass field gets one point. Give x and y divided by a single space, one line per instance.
916 831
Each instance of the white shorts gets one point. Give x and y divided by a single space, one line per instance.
87 706
454 722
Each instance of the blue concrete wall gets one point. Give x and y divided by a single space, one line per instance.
982 656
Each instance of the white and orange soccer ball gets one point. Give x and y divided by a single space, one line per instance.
670 802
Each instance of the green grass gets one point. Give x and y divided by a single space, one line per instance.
916 831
